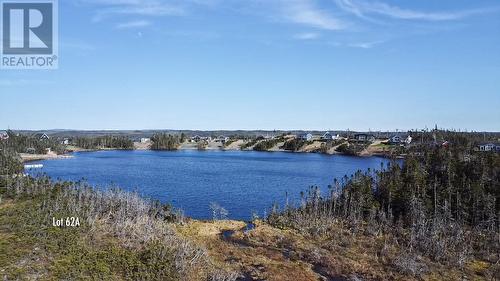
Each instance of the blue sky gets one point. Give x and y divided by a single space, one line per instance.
265 64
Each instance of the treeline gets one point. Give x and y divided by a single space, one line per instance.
444 205
114 142
166 142
265 145
10 163
294 144
31 144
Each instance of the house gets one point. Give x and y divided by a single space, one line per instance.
222 139
198 138
364 137
145 140
400 139
327 136
195 138
41 136
396 139
486 147
30 150
305 136
4 135
65 141
408 140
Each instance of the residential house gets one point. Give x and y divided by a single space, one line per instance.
400 139
327 136
145 140
486 147
305 136
364 137
199 138
408 140
222 139
41 136
4 135
195 138
396 139
66 141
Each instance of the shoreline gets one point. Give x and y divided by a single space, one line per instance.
26 158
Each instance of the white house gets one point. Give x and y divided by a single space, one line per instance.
400 139
306 136
222 139
489 147
145 140
4 135
195 138
408 139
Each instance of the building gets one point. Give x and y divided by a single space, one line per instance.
400 139
364 137
198 138
327 136
145 140
408 140
305 136
4 135
222 139
486 147
41 136
65 141
396 139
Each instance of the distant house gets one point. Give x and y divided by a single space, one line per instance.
41 136
30 150
396 139
145 140
305 136
195 138
4 135
199 138
364 137
400 139
327 136
222 139
486 147
65 141
408 139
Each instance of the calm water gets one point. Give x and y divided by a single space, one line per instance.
241 181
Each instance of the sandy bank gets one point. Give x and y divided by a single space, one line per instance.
25 157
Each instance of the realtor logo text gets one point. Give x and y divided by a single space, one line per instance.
29 34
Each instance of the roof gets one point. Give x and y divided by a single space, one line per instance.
40 135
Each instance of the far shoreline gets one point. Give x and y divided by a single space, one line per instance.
27 158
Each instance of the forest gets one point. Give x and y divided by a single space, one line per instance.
164 141
22 143
104 142
442 203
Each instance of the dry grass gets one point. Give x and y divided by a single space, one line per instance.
268 253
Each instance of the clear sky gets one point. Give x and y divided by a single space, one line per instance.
265 64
